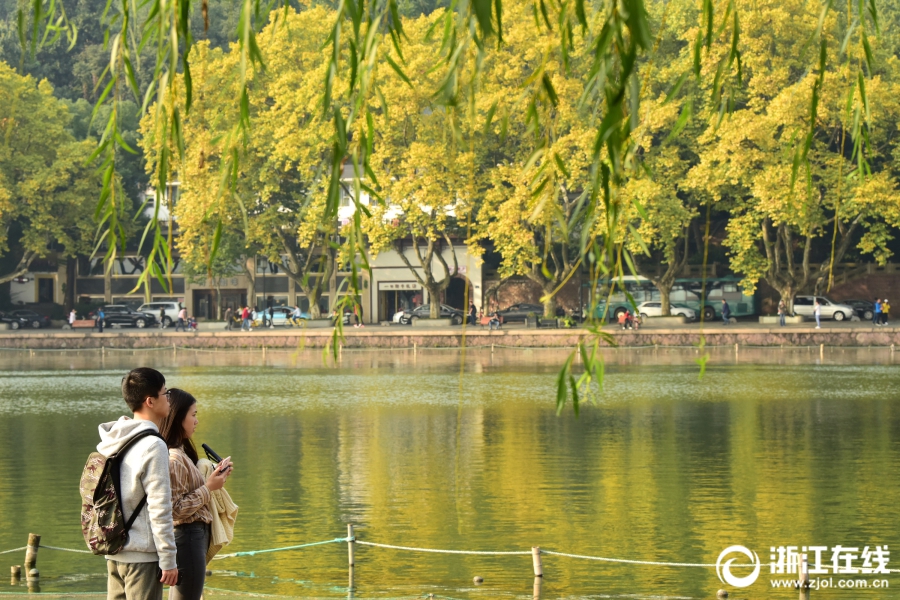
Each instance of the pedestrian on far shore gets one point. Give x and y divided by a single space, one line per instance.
817 311
162 318
245 319
473 314
782 309
101 316
726 312
182 319
72 318
877 318
228 319
885 309
271 316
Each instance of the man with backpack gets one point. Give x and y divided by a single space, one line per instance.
141 558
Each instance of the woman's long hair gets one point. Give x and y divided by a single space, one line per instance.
180 402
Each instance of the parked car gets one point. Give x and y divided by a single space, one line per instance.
153 308
805 305
865 309
654 309
28 318
518 312
13 321
119 314
281 316
424 312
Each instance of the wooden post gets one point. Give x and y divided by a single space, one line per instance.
822 351
31 550
804 572
536 561
536 593
350 547
415 348
16 573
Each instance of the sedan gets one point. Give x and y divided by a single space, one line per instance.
654 309
519 312
865 309
119 314
28 318
424 312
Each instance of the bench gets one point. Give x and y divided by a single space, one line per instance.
81 324
486 322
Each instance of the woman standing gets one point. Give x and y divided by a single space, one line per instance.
191 498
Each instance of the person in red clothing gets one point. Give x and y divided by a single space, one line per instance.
245 319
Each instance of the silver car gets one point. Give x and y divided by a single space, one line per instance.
806 305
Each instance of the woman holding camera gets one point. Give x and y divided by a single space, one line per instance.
191 496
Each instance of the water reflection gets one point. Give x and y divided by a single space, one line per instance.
413 450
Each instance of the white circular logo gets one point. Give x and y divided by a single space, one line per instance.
723 569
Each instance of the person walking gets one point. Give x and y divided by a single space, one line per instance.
782 309
192 502
162 318
885 310
101 317
877 318
229 323
148 559
182 319
271 316
726 312
245 319
72 318
473 314
817 311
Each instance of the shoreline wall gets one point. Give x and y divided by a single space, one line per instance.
408 337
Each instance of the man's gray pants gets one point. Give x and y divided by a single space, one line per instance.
133 581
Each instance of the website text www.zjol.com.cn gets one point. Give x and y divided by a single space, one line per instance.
822 583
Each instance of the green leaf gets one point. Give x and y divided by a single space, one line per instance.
398 70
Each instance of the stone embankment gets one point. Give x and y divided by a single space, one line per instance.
843 335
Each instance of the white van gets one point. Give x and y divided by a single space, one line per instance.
171 308
805 305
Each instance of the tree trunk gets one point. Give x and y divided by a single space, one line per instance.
787 293
665 293
549 302
250 272
434 299
71 276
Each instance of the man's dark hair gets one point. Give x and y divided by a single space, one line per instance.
139 384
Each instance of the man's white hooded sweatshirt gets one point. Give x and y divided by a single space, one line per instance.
144 470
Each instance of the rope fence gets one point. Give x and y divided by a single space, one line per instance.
352 541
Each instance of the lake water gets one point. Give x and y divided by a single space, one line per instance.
769 448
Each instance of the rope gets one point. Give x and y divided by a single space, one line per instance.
13 550
297 547
66 549
631 562
479 552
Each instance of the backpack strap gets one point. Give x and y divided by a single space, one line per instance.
117 458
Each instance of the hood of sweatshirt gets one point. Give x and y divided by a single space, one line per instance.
116 434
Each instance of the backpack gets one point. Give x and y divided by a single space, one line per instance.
103 521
